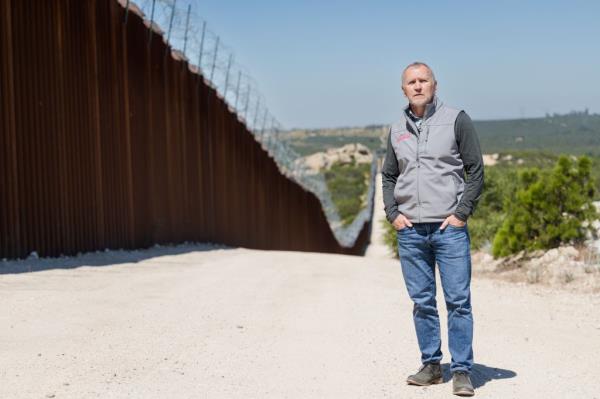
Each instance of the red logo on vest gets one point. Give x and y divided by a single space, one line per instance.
403 137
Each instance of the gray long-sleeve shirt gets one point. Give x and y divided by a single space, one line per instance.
470 154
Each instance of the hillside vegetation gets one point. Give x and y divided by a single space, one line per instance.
348 185
576 133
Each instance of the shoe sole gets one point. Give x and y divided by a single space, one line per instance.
420 384
464 393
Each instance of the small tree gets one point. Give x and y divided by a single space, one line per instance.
549 208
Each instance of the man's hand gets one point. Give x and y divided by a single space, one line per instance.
452 220
401 222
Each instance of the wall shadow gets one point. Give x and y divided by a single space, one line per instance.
103 258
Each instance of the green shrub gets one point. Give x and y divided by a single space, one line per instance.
499 186
549 208
348 184
389 237
483 229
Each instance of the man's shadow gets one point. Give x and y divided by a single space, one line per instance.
481 374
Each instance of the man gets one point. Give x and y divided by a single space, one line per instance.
428 201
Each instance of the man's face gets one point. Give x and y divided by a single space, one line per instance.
418 85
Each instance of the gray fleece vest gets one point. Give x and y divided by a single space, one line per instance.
431 180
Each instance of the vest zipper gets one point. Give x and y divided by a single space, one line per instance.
418 171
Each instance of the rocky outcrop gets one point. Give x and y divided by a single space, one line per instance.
348 154
493 159
490 159
565 266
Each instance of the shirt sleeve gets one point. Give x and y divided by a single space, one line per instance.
389 176
470 152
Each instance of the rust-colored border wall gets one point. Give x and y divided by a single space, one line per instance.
109 142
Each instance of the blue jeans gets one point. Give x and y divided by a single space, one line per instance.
420 247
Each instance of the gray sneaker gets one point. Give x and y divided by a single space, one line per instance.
461 384
430 373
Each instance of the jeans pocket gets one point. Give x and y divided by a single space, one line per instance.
458 229
404 230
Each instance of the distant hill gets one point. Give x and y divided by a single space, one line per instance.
574 133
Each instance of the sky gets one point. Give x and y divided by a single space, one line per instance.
325 63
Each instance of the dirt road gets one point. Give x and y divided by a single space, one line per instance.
190 323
